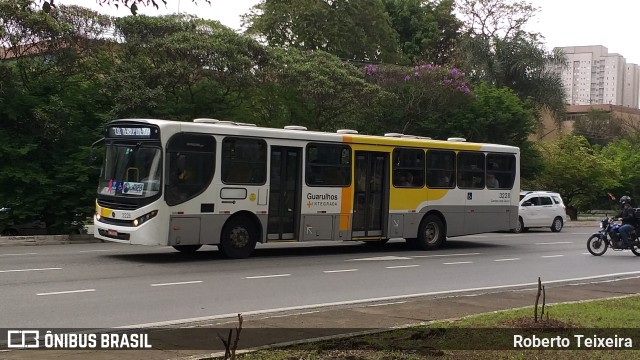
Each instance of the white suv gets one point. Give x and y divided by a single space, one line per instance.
540 209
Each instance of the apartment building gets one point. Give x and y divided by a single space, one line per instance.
595 76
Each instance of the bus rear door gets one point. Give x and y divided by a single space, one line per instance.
284 193
370 198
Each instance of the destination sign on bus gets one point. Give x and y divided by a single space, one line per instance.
130 132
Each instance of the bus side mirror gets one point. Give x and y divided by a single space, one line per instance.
92 154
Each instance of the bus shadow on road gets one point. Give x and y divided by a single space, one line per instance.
267 251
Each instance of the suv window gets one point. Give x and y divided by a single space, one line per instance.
535 201
556 200
545 200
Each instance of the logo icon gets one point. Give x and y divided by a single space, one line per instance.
23 339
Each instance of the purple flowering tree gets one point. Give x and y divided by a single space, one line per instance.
425 93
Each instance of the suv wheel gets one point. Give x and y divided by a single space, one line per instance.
557 224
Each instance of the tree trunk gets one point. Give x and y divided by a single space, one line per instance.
572 213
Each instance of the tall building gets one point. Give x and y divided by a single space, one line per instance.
594 76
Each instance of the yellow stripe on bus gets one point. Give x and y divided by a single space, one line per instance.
105 212
345 208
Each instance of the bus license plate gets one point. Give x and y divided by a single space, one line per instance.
112 233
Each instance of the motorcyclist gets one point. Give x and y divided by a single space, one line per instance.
627 216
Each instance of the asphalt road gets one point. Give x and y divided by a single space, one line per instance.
112 285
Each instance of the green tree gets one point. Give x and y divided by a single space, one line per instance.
578 171
350 29
520 63
495 48
599 127
626 154
427 30
181 67
50 112
314 89
496 115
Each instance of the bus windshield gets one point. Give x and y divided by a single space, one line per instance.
131 170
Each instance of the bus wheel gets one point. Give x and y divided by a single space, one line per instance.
187 249
238 238
430 233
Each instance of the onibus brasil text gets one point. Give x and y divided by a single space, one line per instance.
31 339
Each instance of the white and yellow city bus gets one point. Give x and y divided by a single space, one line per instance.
210 182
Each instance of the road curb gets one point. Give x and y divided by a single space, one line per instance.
38 240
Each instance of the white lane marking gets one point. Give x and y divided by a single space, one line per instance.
555 243
586 253
445 255
362 301
389 303
475 236
178 283
551 256
266 276
90 251
511 259
338 271
401 266
66 292
381 258
22 270
19 254
458 262
513 235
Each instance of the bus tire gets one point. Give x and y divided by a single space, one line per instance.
238 238
431 233
187 249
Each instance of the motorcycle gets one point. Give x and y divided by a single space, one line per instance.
609 236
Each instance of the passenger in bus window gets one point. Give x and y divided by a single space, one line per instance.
402 179
492 182
186 174
442 179
409 179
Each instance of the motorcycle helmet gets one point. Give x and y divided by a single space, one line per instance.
625 200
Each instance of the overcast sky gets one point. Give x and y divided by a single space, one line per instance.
612 23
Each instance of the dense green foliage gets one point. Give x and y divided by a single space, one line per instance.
407 66
350 29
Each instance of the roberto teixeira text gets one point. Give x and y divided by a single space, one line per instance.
574 341
31 339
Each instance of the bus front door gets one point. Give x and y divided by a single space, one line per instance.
284 193
370 202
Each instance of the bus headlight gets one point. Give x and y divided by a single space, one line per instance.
144 218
